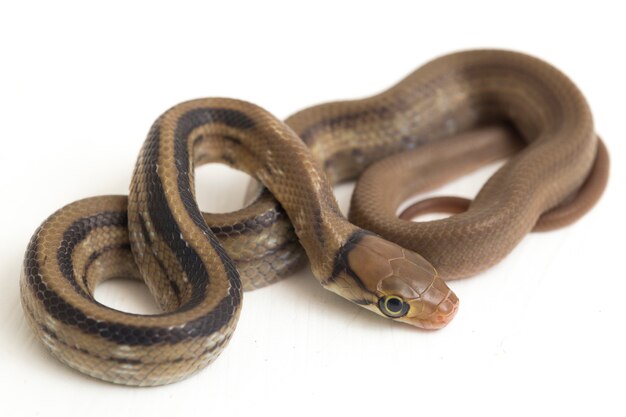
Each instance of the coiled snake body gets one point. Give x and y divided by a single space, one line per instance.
194 264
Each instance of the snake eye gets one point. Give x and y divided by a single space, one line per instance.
393 306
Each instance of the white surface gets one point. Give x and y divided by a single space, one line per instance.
542 333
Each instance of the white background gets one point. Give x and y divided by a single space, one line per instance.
542 333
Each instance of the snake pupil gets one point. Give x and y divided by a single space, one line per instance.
394 305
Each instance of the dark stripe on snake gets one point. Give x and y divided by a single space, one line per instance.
166 226
309 133
251 224
118 333
126 361
229 161
318 226
227 138
203 158
144 230
54 336
186 123
341 260
76 233
95 255
173 284
148 239
232 139
267 253
348 120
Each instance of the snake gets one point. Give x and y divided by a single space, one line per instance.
451 116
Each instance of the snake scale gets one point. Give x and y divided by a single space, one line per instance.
452 115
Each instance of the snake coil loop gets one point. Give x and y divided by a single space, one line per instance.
196 265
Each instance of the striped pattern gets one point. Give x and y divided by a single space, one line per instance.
196 264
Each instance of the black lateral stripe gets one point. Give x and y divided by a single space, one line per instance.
173 284
116 359
76 233
175 289
144 230
232 139
317 226
251 224
227 138
118 333
186 124
148 239
229 161
341 259
166 226
269 252
130 361
95 255
308 134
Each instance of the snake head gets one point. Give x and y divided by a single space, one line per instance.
394 282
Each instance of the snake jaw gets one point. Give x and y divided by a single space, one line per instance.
384 270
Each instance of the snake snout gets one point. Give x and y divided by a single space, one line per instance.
440 306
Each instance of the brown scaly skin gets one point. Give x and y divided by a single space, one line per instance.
187 258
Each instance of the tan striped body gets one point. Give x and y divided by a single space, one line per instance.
196 265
